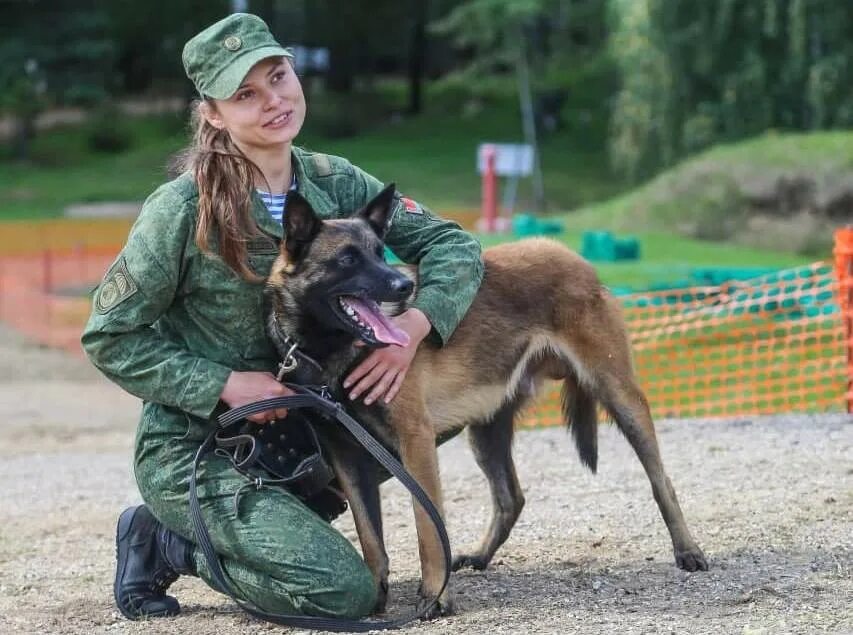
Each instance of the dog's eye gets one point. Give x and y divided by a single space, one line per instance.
347 259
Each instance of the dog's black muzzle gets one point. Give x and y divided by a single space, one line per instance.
401 288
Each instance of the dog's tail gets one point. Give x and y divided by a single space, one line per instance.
580 412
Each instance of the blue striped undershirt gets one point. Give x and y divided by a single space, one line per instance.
275 202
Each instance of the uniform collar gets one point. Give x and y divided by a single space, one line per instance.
304 171
266 223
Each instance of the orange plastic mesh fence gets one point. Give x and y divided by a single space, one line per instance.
770 344
46 296
776 343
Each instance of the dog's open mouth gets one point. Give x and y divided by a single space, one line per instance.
370 323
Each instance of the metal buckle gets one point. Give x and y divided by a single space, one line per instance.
289 363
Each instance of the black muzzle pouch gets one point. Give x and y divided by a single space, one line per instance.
282 453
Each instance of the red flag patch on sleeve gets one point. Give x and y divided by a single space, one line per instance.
411 206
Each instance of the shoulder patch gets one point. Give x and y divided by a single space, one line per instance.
117 287
410 206
322 164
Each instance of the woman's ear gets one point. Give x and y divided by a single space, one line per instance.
211 115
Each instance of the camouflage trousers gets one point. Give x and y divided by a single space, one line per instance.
276 552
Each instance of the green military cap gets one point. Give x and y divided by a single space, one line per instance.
218 58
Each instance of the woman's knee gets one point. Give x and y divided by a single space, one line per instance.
360 588
350 594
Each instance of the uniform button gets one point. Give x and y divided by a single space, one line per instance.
232 43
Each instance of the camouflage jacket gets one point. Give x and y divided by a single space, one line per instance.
169 323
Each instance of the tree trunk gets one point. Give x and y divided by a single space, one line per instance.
528 120
25 130
341 70
417 56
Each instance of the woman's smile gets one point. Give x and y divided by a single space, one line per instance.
279 121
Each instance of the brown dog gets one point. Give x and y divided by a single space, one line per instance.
541 313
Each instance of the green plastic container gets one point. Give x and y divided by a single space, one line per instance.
603 246
524 225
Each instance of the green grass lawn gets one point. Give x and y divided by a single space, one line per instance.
669 259
431 157
64 171
696 187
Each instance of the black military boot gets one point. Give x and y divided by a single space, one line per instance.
149 558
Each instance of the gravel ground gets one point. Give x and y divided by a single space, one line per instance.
770 500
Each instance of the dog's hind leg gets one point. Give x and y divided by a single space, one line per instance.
492 446
626 403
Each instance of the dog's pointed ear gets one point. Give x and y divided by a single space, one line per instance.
301 225
378 211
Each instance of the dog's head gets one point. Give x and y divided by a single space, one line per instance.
331 276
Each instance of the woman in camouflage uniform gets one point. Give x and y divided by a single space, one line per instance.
178 321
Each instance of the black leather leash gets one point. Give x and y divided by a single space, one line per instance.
306 398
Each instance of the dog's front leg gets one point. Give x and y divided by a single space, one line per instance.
358 477
420 458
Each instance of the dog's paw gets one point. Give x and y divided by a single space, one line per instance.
443 607
691 559
381 597
478 563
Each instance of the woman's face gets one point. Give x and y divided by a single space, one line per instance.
267 110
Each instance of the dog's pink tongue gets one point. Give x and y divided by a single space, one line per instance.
383 328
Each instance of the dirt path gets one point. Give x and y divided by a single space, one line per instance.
769 499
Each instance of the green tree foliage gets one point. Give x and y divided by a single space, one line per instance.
491 29
558 32
696 73
358 34
82 53
69 44
148 41
52 53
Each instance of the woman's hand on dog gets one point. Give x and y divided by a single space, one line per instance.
247 387
382 372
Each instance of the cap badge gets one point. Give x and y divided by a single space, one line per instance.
232 43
